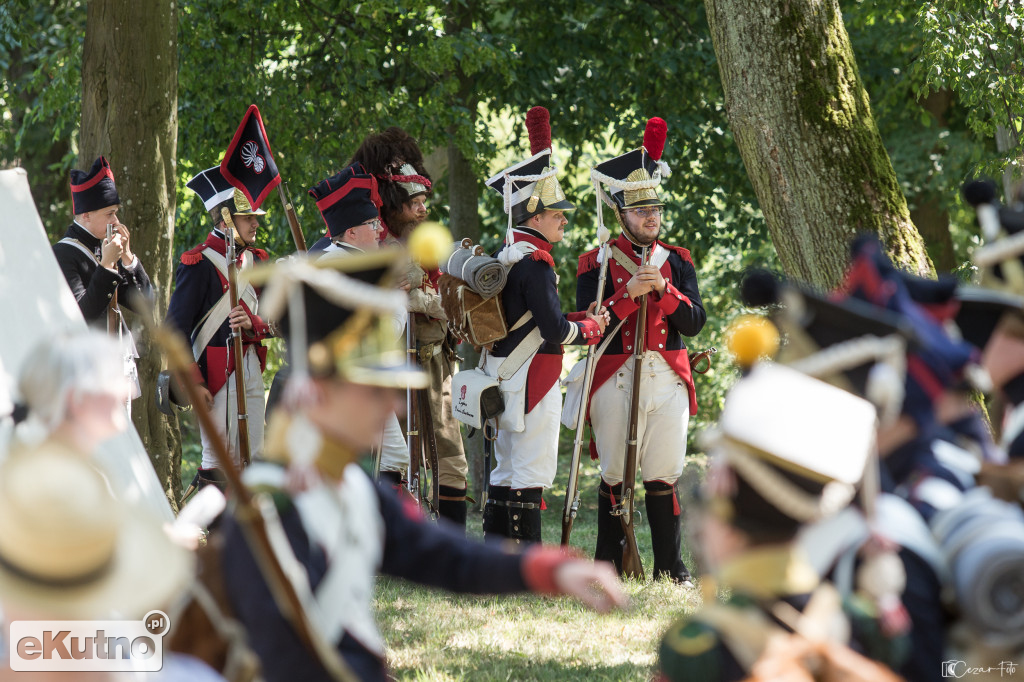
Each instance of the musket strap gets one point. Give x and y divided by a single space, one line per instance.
71 241
216 315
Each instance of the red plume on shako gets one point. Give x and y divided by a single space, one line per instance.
538 127
654 137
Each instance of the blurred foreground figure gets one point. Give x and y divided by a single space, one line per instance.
75 389
325 517
69 551
767 479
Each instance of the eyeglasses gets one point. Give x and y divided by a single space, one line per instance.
647 212
376 225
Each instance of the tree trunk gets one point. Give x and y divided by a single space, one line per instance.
464 217
803 125
130 115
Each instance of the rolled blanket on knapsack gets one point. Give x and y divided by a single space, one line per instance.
482 273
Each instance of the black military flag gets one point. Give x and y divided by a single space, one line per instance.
248 163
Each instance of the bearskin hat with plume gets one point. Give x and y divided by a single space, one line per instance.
383 155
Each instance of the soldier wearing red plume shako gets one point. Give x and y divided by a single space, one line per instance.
530 358
667 396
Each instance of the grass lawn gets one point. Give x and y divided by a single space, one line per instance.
434 635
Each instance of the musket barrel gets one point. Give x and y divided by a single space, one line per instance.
236 340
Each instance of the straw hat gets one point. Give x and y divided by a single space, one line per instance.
69 550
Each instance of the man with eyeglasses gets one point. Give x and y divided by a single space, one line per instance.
667 397
349 203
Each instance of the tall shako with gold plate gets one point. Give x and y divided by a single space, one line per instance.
628 185
528 360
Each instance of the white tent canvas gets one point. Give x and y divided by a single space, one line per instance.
36 303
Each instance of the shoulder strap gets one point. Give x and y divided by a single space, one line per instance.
622 259
248 295
658 259
523 352
211 322
71 241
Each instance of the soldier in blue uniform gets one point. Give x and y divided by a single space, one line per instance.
914 481
97 268
94 266
667 396
767 478
341 528
530 357
200 309
349 203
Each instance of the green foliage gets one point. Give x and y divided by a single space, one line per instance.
929 123
40 82
464 72
974 49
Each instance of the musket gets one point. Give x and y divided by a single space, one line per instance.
113 322
412 418
293 219
572 492
631 565
429 440
236 340
703 356
250 518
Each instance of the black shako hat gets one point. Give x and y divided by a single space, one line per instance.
93 190
217 193
347 199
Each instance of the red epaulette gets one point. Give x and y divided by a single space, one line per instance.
544 256
588 262
194 255
683 253
259 254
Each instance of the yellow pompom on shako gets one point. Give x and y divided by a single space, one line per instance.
429 244
751 338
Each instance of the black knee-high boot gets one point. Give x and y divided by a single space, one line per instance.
496 513
451 504
665 519
610 536
524 514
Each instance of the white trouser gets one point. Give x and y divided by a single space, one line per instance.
394 451
225 412
528 458
662 419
